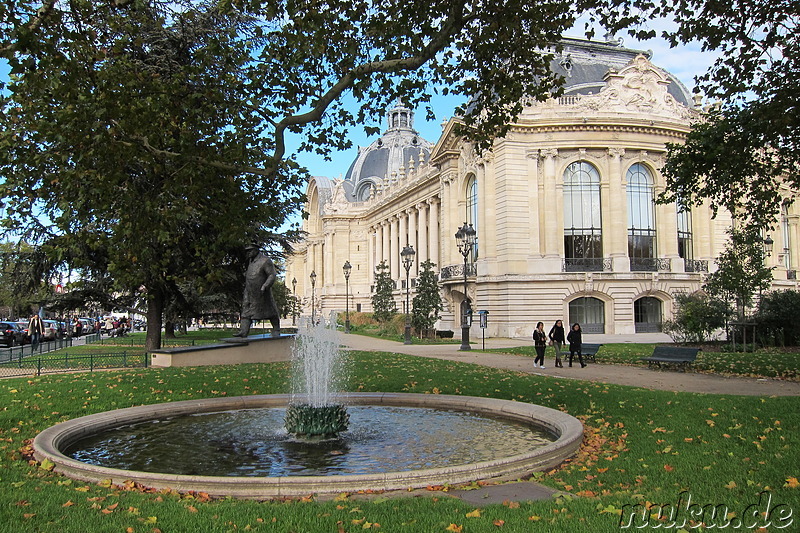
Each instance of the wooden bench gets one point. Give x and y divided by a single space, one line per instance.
679 356
589 351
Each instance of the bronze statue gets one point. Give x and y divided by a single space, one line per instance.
258 303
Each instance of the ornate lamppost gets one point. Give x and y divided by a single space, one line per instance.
294 301
768 244
313 302
465 238
408 259
346 269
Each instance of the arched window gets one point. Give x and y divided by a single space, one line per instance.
641 218
647 315
583 234
590 313
787 243
472 211
685 242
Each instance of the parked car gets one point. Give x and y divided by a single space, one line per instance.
23 325
51 330
88 325
12 334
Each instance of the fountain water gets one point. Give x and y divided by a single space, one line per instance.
316 409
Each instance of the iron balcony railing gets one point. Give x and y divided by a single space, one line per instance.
695 265
586 264
649 264
457 272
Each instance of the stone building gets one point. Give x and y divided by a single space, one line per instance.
563 209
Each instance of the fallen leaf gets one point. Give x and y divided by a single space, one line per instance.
499 523
792 483
454 528
731 485
474 514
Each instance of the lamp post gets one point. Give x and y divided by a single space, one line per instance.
408 259
313 302
768 243
465 238
346 269
294 301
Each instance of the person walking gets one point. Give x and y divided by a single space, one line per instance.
35 330
539 344
557 340
574 339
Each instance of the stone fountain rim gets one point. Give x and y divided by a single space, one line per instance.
567 429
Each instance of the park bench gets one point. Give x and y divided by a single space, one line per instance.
589 351
679 356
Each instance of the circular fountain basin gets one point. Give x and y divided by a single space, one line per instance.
566 431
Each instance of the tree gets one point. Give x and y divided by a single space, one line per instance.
740 270
427 303
777 317
696 318
383 304
748 147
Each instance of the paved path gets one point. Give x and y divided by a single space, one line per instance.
617 374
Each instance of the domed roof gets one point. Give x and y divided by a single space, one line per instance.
585 64
399 144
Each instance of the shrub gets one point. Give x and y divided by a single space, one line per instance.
697 317
776 318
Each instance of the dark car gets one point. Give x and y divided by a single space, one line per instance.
13 334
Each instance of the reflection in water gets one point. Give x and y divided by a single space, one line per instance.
252 442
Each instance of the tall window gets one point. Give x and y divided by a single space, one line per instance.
641 218
647 315
685 244
583 234
472 212
787 243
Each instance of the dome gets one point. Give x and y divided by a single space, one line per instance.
398 145
585 64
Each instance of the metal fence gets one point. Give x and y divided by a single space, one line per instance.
39 364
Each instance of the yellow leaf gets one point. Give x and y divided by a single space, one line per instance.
499 523
534 518
366 525
68 504
731 485
454 528
792 483
341 497
82 489
474 514
47 464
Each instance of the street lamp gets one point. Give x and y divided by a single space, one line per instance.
294 301
768 243
346 269
313 303
408 259
465 238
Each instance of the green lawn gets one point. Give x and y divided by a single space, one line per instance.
766 362
640 446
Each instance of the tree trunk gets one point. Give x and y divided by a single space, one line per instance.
155 310
169 329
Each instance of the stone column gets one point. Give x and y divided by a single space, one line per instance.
550 238
371 249
328 275
394 255
412 239
422 234
402 240
434 253
615 217
385 242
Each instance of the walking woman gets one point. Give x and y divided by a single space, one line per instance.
539 344
557 340
574 338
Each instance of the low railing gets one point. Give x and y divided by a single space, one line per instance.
791 274
695 265
51 364
650 264
457 272
586 264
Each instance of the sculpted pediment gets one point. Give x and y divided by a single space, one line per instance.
638 87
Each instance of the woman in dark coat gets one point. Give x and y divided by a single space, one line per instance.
574 338
557 340
539 344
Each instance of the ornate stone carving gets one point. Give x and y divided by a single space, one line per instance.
640 86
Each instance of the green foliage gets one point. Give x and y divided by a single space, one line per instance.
777 317
740 270
427 303
308 420
696 318
741 153
383 304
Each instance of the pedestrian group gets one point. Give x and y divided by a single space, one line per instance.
556 339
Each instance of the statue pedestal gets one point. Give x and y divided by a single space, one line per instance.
252 349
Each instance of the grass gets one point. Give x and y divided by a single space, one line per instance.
763 363
640 446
